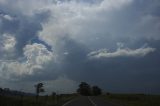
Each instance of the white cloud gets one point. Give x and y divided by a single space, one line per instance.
7 42
38 57
61 85
110 18
125 52
112 4
2 1
37 54
7 46
28 7
8 17
78 19
10 69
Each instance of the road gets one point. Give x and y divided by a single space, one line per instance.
88 101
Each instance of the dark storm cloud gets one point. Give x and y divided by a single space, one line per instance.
27 30
121 74
69 31
138 20
23 28
73 57
124 74
9 26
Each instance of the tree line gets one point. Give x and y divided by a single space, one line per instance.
86 90
83 89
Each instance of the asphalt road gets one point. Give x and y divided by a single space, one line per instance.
88 101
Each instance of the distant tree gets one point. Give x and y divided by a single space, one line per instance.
53 94
84 89
39 89
7 89
96 91
108 93
1 91
54 97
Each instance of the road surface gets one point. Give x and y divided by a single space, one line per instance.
88 101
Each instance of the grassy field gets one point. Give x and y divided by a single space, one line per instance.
31 101
134 99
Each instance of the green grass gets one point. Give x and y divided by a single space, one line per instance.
31 101
134 99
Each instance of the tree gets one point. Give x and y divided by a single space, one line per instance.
53 94
96 90
1 92
84 89
39 89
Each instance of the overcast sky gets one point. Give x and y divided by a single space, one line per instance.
114 44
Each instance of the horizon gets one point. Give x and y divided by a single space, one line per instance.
114 44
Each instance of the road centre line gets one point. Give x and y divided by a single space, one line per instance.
68 102
91 101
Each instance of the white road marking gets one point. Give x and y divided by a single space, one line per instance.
91 101
68 102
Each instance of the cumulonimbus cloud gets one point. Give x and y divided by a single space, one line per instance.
37 57
71 28
125 52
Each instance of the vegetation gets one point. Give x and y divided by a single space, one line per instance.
133 99
59 100
39 89
86 90
96 91
17 98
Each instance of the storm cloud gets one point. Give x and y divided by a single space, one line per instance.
110 43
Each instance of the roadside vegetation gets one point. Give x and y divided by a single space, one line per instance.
133 99
17 98
57 100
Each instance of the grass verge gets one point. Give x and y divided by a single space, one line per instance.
134 99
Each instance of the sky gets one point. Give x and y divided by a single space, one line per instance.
114 44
